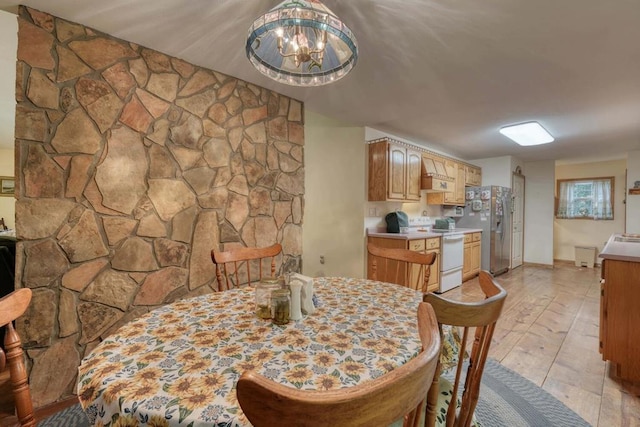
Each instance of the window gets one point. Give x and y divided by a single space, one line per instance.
589 198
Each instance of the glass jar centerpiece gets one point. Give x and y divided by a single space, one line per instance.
264 288
280 306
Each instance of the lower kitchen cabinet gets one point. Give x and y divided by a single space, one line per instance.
471 256
429 245
620 318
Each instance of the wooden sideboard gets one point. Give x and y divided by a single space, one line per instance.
620 311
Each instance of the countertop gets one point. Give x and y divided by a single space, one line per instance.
414 234
621 251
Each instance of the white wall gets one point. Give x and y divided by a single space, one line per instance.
496 170
538 211
8 49
633 201
335 193
569 233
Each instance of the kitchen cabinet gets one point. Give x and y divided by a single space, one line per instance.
434 175
394 172
427 245
431 245
454 170
471 257
472 176
460 183
620 317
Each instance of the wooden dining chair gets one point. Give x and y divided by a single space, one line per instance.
381 401
481 315
409 268
13 306
230 263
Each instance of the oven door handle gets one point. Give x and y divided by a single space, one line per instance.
451 239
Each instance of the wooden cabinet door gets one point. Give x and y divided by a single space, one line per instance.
385 272
378 171
434 273
460 185
472 176
429 246
475 258
397 172
416 277
452 171
414 170
466 261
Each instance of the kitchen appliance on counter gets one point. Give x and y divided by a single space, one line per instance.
446 224
489 209
397 222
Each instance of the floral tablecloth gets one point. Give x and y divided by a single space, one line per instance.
178 365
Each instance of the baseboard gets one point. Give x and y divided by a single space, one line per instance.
534 264
569 262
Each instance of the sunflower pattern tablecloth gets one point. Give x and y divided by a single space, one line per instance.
178 365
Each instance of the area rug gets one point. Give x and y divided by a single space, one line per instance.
506 400
72 416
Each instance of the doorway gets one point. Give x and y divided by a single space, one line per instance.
517 236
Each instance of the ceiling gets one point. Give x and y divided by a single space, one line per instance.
446 73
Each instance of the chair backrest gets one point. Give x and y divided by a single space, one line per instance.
399 393
402 266
481 315
13 306
229 264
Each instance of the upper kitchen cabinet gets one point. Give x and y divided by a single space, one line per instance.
455 197
394 171
472 176
434 175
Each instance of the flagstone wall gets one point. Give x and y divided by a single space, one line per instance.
132 165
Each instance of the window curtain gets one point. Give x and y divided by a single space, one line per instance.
571 206
564 200
602 208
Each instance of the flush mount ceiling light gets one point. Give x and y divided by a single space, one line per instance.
530 133
301 43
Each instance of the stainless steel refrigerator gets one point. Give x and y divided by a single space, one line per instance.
489 208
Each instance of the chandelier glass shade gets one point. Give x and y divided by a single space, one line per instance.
301 43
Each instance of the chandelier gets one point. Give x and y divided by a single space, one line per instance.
301 43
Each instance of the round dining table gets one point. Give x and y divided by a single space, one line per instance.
178 365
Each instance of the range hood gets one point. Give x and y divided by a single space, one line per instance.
434 178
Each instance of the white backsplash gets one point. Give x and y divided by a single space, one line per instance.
374 213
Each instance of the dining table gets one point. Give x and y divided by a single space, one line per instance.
178 365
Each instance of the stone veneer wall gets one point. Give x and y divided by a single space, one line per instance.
132 166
